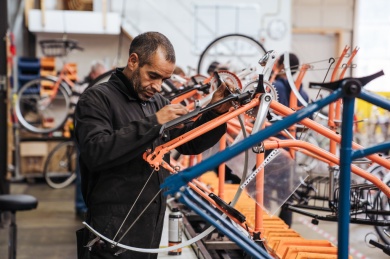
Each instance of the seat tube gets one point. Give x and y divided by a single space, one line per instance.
345 177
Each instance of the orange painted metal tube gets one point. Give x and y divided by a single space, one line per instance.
344 70
329 156
332 106
285 111
156 157
182 97
293 102
229 138
235 123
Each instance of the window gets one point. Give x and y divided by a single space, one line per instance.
373 39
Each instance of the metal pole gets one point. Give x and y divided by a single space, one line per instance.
345 178
4 185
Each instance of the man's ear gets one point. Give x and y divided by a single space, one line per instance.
133 61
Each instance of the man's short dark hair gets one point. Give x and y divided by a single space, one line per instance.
146 44
294 62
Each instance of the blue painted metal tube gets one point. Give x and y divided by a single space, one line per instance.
188 198
375 99
174 182
345 178
371 150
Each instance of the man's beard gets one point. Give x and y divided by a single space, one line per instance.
136 81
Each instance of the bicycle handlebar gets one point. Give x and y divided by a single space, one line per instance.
351 86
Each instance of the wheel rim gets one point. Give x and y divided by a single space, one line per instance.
60 165
36 111
240 51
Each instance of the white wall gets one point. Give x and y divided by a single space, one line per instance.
373 25
321 30
96 47
177 20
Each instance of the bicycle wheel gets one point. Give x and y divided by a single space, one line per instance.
238 51
378 171
37 110
60 165
382 203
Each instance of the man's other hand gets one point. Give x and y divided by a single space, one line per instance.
219 94
170 112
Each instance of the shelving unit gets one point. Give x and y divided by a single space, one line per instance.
34 150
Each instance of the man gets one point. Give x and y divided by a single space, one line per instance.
116 122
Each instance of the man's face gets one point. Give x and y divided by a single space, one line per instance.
147 80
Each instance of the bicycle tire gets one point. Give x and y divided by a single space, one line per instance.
242 50
34 109
382 201
378 171
60 165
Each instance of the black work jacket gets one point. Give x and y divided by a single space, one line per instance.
113 130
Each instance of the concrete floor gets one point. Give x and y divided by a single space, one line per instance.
49 230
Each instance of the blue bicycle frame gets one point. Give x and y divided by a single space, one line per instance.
348 89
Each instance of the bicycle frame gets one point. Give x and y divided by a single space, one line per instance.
66 70
347 89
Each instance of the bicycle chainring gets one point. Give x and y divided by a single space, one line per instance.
227 76
251 86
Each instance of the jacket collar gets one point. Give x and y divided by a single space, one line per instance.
125 86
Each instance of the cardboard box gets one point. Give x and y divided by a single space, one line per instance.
32 157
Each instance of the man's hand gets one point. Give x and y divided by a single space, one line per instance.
170 112
219 94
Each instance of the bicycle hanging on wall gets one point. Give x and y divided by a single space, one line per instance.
42 105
